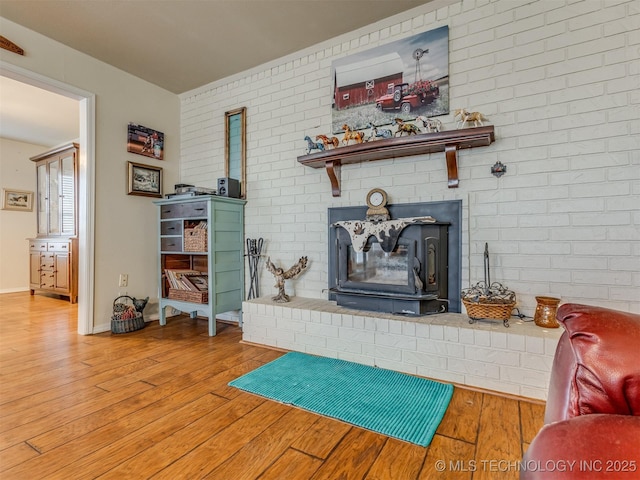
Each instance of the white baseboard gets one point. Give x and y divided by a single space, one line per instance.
14 290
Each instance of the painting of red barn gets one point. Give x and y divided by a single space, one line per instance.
360 83
402 79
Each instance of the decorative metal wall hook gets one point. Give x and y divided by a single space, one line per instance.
498 169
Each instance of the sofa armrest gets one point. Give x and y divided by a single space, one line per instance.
604 372
598 446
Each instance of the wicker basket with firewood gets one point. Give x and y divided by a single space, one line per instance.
486 300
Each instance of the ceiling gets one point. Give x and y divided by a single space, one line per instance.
32 115
178 45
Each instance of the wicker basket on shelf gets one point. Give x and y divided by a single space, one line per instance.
195 239
188 295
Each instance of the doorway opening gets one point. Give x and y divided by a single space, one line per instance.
86 183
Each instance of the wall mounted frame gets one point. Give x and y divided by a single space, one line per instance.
19 200
235 147
144 180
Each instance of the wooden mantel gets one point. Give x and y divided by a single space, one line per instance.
449 141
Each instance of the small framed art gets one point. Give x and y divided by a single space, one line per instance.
145 141
144 180
19 200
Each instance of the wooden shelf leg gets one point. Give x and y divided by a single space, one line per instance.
333 170
452 165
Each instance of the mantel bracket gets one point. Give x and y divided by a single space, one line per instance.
452 165
333 170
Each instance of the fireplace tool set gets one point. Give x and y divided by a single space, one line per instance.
486 300
254 250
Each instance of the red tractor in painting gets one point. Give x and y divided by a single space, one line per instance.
406 97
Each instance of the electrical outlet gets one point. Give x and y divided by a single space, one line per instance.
124 280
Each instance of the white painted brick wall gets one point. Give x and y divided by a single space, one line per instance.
444 347
558 79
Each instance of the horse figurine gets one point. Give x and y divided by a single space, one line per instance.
326 141
408 128
378 132
468 117
430 124
351 135
311 145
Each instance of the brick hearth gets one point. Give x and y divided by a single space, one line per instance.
515 360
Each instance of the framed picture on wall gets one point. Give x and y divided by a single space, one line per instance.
145 141
402 79
144 180
19 200
235 143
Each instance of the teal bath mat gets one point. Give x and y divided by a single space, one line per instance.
388 402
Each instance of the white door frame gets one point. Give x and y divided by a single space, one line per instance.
86 184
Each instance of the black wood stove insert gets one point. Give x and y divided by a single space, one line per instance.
409 265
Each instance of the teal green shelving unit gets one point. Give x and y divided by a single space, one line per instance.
222 258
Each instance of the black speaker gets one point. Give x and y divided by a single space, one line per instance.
228 187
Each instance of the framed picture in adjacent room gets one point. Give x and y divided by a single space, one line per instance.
19 200
145 141
144 180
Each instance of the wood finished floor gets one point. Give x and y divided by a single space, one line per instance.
155 404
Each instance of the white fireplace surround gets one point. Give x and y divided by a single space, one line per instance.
487 355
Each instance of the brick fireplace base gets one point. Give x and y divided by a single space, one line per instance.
515 360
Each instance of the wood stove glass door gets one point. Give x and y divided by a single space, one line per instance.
375 270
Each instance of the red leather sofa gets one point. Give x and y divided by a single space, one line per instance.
592 416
